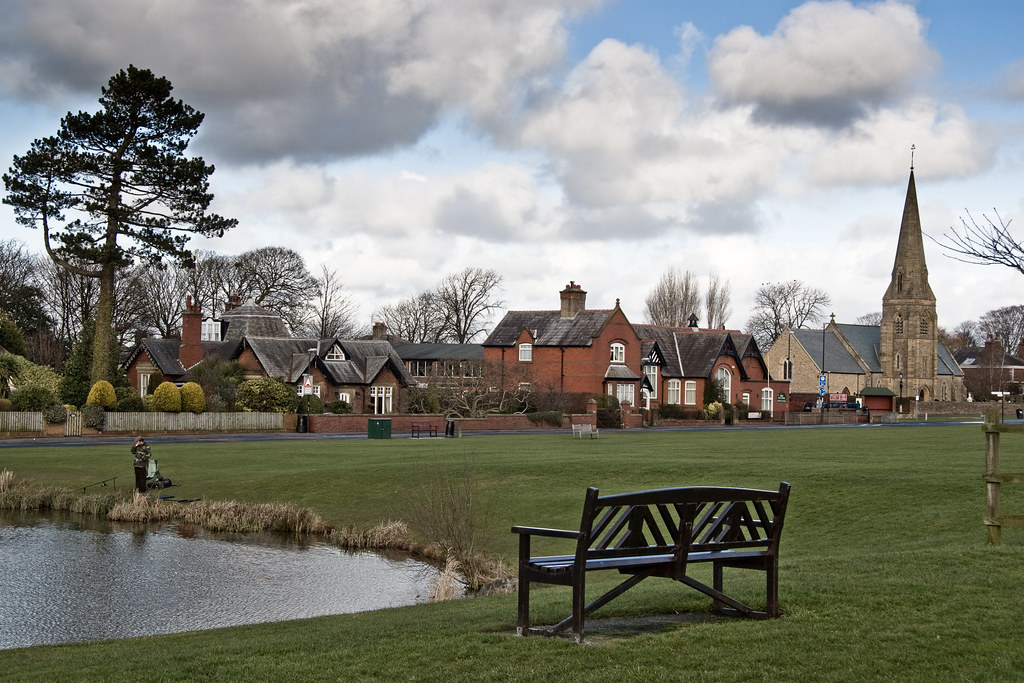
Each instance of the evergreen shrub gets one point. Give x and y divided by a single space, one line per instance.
5 405
94 416
55 414
338 407
192 398
32 398
128 400
266 395
167 398
102 394
311 404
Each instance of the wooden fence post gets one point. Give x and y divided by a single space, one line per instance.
992 480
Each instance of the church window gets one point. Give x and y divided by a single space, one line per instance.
899 281
899 324
924 326
897 361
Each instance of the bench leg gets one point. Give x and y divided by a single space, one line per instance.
523 620
773 588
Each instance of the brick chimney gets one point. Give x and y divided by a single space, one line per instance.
574 300
190 351
993 353
380 331
233 302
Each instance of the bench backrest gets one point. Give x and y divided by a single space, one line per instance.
698 518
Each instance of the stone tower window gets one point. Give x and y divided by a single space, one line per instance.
899 281
924 326
899 324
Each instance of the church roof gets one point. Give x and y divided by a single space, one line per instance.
836 357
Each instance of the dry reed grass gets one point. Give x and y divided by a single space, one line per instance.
448 585
6 478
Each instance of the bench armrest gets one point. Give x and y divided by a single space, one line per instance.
553 533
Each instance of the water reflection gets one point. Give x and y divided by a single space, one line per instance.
68 578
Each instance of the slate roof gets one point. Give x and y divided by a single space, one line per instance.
409 351
250 320
975 356
837 358
163 353
947 364
364 359
866 340
686 352
549 328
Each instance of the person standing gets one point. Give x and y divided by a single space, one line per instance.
142 452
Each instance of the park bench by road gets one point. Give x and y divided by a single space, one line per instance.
660 533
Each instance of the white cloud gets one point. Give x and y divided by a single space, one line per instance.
825 63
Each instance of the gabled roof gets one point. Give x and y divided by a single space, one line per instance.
866 341
290 358
836 356
975 356
686 352
549 328
163 353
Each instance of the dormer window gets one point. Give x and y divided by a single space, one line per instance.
526 353
335 354
618 353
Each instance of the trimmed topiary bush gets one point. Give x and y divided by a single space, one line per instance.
94 416
265 395
193 400
32 398
167 398
147 403
128 400
310 405
55 414
102 394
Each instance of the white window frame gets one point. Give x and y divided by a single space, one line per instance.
652 376
143 383
672 392
766 400
746 398
690 392
380 400
724 377
336 353
525 352
626 392
209 330
345 396
617 352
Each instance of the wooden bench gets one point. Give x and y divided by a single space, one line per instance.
659 533
581 429
419 428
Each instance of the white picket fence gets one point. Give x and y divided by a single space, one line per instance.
21 422
191 422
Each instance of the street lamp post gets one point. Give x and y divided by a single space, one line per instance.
901 392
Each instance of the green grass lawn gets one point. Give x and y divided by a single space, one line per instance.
885 573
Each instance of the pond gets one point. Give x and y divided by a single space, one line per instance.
70 578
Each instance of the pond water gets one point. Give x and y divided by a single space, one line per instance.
69 578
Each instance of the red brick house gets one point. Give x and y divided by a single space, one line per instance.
679 362
571 350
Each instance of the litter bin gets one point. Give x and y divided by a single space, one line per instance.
1020 414
379 428
302 424
449 428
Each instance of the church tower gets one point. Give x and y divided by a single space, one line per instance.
909 334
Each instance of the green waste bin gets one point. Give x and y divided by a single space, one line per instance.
379 428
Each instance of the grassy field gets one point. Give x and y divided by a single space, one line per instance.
885 573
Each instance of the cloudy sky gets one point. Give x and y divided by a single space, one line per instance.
558 140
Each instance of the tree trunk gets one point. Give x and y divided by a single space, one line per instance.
102 345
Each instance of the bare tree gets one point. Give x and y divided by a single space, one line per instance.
465 300
1006 324
209 281
674 299
873 318
163 291
964 334
275 278
332 311
717 300
778 305
415 319
988 244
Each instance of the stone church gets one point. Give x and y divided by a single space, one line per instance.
900 358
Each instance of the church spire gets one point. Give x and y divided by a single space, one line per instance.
909 271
